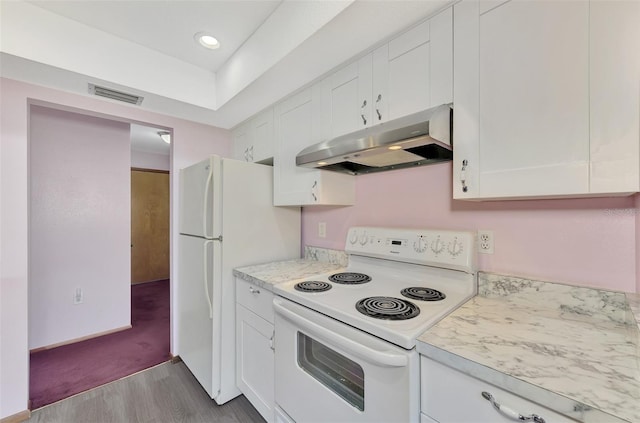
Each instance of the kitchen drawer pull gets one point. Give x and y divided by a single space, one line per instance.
253 290
509 413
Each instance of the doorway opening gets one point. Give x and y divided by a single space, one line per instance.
88 324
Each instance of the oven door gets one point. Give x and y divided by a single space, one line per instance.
327 371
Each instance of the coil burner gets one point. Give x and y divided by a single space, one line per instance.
350 278
423 294
312 286
387 308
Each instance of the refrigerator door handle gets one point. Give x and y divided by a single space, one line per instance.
206 276
207 185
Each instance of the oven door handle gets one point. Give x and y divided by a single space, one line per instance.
373 356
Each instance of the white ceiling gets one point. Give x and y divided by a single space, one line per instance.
268 49
169 26
147 140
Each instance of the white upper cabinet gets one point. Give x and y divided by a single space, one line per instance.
298 124
614 84
253 140
412 72
545 98
241 142
441 58
347 97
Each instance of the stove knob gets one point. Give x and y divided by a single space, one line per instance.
437 246
455 247
354 237
420 244
363 239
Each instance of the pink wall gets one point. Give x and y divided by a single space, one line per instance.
589 242
80 226
191 142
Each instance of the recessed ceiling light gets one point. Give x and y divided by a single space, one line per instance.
207 40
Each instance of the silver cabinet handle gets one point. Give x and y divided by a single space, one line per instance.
364 119
313 189
463 175
273 335
253 290
251 153
509 413
377 109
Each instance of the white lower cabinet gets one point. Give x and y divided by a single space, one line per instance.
254 347
450 396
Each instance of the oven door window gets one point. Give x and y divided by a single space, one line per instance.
335 371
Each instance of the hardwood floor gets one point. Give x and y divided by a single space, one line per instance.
165 393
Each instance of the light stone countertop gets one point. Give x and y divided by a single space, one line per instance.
571 349
634 305
268 274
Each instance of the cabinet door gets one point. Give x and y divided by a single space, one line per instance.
241 141
408 73
615 96
533 100
348 97
293 125
441 58
297 127
261 147
255 361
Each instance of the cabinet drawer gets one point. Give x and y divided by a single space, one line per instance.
255 298
448 395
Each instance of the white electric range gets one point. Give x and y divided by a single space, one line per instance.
348 339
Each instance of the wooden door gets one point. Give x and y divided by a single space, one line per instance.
149 226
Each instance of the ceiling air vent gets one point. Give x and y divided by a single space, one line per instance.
115 95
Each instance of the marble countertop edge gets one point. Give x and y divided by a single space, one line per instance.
633 301
548 399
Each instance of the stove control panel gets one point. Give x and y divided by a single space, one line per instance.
449 249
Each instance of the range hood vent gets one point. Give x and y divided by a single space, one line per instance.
415 140
115 95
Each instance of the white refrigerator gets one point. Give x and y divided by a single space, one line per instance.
227 220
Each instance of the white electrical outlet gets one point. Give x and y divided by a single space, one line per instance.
485 242
322 229
77 297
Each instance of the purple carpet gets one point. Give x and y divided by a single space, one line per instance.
70 369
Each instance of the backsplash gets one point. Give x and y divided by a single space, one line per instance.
583 242
325 254
573 302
